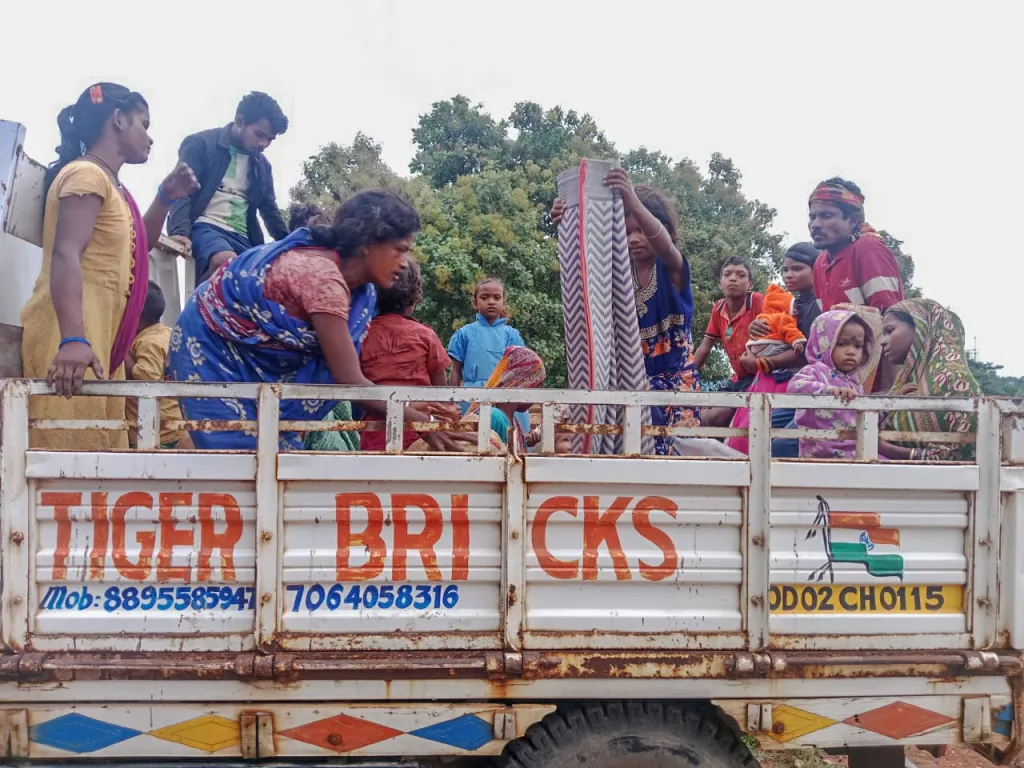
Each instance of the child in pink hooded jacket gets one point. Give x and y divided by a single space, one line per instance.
839 347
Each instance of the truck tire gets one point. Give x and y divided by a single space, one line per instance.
633 734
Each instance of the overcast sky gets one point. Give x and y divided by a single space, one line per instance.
920 106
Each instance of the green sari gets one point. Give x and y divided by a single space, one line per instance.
334 441
937 366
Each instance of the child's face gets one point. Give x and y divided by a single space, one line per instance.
489 301
797 276
849 351
735 281
639 245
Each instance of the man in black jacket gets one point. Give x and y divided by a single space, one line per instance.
219 220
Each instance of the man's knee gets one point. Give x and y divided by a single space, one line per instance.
217 261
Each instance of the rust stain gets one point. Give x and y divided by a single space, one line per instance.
289 668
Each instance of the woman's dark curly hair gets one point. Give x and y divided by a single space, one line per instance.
368 217
657 203
405 292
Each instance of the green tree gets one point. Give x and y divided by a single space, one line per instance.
338 171
994 383
905 262
456 138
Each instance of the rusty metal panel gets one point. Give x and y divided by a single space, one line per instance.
388 564
860 562
623 564
142 559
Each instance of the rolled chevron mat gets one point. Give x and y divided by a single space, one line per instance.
602 336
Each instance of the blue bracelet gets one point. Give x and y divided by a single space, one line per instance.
163 198
74 340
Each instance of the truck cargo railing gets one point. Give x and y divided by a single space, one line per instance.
866 434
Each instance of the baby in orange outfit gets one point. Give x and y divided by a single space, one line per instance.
784 333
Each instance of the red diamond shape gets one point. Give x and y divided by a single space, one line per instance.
341 733
898 720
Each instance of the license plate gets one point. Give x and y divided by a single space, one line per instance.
866 598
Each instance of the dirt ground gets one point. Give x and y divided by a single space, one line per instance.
955 757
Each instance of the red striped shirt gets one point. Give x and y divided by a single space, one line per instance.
863 273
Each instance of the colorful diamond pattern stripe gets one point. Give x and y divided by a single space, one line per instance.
342 733
796 723
898 720
80 734
210 733
468 732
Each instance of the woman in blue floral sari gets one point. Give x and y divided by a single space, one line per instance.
294 311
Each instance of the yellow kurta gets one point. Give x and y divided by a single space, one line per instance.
106 269
150 353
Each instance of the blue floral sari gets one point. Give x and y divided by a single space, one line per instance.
230 332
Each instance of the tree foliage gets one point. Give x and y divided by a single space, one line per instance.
484 188
994 383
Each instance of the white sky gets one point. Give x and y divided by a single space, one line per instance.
918 102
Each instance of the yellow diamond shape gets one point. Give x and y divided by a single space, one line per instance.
210 733
796 723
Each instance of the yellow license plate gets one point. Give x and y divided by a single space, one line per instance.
866 598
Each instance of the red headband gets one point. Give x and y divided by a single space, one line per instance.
836 193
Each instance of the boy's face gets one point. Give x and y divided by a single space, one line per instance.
489 301
254 138
735 281
797 276
848 354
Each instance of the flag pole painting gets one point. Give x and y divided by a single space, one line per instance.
858 538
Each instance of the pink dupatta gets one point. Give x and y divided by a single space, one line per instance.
140 286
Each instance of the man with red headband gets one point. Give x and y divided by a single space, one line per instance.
855 266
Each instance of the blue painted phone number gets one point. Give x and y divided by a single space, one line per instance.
149 598
334 597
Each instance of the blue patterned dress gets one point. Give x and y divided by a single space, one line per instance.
230 332
665 314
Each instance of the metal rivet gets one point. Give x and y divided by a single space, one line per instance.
266 535
778 728
266 598
515 534
18 537
16 600
758 541
756 600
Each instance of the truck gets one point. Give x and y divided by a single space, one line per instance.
224 608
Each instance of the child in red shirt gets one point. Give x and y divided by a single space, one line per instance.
400 351
730 321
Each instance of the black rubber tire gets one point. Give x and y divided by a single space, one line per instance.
630 734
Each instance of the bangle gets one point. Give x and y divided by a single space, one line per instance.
164 198
656 232
73 340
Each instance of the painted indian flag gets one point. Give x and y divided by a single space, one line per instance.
858 537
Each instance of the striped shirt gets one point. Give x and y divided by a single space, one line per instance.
864 273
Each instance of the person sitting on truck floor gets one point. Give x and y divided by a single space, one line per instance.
519 368
927 344
145 362
400 351
664 298
840 343
85 307
294 311
219 220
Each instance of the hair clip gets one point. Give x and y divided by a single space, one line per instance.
96 94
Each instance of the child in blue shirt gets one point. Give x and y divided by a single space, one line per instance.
476 348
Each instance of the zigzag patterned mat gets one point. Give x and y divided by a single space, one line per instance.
602 336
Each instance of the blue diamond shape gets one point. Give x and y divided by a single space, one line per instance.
78 733
468 732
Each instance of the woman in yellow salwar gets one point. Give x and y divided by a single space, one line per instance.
85 307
